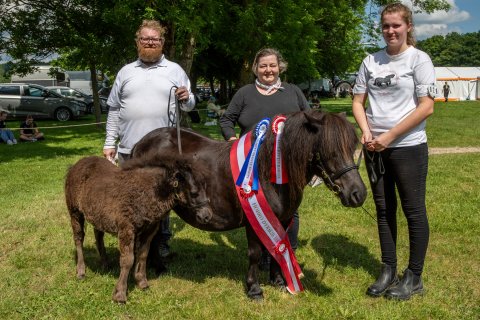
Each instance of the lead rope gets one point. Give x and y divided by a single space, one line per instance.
358 165
177 117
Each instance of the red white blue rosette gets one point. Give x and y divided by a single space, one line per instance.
248 178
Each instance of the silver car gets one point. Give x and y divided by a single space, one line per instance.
80 96
20 100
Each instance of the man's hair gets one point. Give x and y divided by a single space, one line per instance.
282 64
154 25
406 15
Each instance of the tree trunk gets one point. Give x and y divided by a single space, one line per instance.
96 99
246 75
186 59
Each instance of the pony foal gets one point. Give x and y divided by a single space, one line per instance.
130 203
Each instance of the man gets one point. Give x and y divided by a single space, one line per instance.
143 99
446 91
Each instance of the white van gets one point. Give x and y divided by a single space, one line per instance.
42 77
79 80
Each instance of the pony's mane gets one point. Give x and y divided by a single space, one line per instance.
168 161
340 134
306 132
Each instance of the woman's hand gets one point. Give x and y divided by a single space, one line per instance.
366 137
381 142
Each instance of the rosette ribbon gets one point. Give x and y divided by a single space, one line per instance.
262 218
279 173
248 179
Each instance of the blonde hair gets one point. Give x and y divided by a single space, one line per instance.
406 15
151 24
282 64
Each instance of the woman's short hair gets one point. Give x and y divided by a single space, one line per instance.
282 64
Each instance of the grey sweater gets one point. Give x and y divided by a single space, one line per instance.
249 106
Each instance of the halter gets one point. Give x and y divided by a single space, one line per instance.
330 178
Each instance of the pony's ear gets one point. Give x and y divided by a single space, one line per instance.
177 178
313 123
168 182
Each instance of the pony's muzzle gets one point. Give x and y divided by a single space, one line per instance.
354 198
204 215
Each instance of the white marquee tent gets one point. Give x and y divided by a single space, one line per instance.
464 82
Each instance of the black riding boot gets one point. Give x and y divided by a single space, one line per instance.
409 285
387 277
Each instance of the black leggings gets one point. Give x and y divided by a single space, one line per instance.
406 169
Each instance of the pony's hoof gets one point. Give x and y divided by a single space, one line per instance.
143 285
255 293
81 276
278 282
257 298
119 297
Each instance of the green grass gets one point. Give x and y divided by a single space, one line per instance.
339 250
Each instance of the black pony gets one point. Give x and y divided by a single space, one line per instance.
313 143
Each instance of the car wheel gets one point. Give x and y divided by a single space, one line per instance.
63 114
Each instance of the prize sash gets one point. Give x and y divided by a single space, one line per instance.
261 217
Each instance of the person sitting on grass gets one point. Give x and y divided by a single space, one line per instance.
6 135
29 130
213 108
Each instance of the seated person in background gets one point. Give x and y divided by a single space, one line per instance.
6 134
213 108
29 131
315 102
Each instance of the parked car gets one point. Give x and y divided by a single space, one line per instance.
80 96
21 99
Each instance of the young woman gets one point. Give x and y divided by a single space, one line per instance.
399 84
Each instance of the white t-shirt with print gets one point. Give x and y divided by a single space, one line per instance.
393 84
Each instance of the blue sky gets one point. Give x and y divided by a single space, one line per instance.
463 17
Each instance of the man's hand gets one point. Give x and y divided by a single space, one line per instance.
182 94
110 154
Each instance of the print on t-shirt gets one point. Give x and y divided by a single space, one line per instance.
386 81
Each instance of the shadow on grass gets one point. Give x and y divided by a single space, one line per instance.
338 251
198 262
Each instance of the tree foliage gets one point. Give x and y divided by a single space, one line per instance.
213 39
453 50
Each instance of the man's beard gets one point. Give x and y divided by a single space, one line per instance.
149 55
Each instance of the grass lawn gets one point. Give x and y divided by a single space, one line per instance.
339 250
